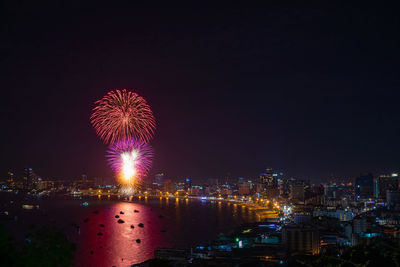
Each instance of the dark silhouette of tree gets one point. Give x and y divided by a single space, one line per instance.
7 248
44 247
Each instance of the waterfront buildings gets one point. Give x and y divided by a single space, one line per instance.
297 217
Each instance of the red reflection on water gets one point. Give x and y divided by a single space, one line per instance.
117 245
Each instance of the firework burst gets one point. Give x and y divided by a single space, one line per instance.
130 159
122 115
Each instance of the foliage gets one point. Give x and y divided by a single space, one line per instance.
7 248
44 247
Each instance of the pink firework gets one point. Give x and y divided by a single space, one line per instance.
130 158
122 114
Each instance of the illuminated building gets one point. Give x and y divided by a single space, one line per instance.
268 180
195 190
360 225
342 215
244 186
297 192
244 190
226 191
284 188
180 186
11 180
188 183
167 186
384 183
158 179
44 185
332 191
269 183
364 187
393 198
29 179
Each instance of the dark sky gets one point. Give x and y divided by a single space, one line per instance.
310 90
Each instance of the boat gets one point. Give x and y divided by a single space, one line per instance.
141 225
132 226
120 221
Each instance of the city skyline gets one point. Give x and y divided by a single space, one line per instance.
234 90
142 135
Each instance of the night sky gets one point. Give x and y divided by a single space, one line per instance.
310 90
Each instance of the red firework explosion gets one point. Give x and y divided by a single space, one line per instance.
122 114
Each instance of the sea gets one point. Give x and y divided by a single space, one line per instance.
92 223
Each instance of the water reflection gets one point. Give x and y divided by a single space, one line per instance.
167 223
115 243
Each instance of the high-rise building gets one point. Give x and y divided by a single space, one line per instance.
297 192
244 186
11 180
301 239
168 186
360 224
334 191
298 189
385 183
244 189
268 180
10 176
269 184
158 179
393 198
284 188
364 187
29 179
188 183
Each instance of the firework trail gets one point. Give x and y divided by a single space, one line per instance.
130 159
122 115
